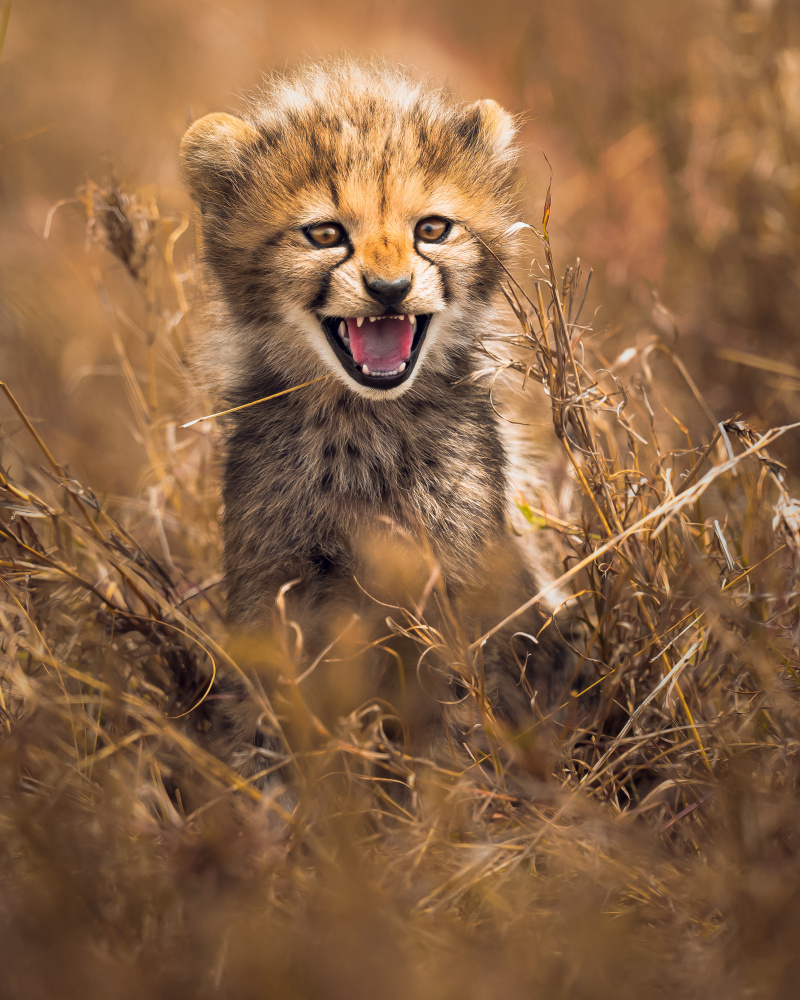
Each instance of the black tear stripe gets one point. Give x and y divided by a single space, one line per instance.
447 294
325 282
322 294
488 274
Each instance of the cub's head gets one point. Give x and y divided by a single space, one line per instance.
354 222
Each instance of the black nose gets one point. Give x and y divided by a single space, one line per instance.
388 293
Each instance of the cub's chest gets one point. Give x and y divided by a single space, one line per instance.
438 464
384 457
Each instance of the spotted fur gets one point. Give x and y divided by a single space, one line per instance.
352 492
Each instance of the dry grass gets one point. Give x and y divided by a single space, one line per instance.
652 852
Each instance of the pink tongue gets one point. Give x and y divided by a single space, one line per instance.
381 345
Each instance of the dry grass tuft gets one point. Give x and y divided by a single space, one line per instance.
656 853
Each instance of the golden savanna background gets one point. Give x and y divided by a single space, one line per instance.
673 129
653 852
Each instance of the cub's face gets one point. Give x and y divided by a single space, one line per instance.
354 223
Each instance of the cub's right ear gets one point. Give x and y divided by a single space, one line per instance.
214 157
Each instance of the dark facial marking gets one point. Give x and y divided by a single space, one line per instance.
446 292
325 281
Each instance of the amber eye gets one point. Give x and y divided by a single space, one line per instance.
326 234
431 229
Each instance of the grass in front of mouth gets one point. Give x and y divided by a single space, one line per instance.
654 850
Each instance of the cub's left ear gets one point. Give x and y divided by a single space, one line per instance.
215 153
496 127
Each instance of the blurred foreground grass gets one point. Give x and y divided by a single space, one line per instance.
651 850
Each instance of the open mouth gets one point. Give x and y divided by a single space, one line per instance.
378 351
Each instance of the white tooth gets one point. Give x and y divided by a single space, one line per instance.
359 321
343 330
401 368
372 319
413 323
346 340
365 370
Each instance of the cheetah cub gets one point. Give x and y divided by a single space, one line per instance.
352 226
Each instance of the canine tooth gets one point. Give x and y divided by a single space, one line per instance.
343 329
413 320
359 321
365 370
401 368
